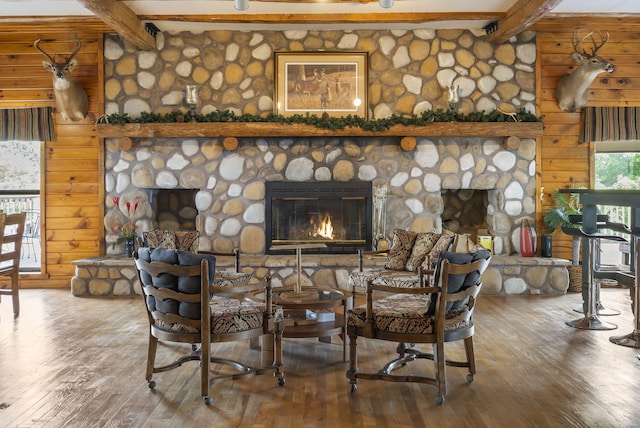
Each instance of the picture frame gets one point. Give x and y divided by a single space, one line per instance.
334 83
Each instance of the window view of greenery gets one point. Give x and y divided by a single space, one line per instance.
20 165
618 170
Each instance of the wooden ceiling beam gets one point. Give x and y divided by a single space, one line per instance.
521 16
123 21
328 18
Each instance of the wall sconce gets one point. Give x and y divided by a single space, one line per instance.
453 97
386 3
241 4
191 98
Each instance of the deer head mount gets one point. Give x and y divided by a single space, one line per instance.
573 89
71 98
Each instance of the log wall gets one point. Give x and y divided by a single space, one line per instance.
72 191
562 160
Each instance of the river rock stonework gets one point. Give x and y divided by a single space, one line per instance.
408 71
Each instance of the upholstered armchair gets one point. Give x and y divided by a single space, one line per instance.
435 313
184 306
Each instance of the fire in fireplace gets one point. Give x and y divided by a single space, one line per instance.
334 213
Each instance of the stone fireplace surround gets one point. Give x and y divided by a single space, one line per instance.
407 73
230 199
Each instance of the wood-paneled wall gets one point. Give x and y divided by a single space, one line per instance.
562 161
72 193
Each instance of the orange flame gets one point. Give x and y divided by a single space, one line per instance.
325 228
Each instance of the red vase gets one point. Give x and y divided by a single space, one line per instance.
527 248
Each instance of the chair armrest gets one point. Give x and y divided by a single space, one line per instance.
235 254
362 253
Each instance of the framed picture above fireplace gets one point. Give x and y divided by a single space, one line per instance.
334 83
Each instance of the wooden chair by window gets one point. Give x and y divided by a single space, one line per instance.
31 234
183 306
10 256
432 314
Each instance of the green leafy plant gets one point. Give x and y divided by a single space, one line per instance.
565 205
326 122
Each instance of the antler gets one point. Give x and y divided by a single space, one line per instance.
76 51
36 45
596 46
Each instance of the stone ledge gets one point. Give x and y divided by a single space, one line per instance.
115 276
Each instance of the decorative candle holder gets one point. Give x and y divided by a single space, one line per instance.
191 99
453 96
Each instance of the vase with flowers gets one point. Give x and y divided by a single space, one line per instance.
127 226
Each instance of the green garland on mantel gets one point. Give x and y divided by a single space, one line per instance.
325 121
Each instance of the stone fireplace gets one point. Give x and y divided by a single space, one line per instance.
407 72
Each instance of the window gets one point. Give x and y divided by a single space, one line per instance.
20 191
617 166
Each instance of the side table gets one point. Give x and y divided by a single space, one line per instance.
310 313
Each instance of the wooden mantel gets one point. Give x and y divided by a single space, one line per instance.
268 129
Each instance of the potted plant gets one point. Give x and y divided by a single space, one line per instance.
565 204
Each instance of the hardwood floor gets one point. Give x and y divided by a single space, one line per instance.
79 362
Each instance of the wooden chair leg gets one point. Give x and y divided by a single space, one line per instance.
353 362
277 354
15 286
471 358
441 374
205 362
151 359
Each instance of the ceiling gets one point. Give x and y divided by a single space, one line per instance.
128 17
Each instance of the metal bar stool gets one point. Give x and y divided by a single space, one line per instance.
602 222
590 321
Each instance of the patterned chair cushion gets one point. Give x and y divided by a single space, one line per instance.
235 315
421 248
231 279
395 278
404 313
184 240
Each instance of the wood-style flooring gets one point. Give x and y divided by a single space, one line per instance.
80 362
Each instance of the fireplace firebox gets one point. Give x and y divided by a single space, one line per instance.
336 214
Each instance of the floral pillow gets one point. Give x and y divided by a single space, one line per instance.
421 248
400 249
443 244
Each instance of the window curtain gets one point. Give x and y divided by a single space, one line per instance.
610 124
27 124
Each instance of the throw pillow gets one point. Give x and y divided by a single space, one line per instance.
400 249
421 248
443 244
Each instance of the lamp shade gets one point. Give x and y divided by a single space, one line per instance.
386 3
241 4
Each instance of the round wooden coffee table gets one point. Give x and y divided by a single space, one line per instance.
311 312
